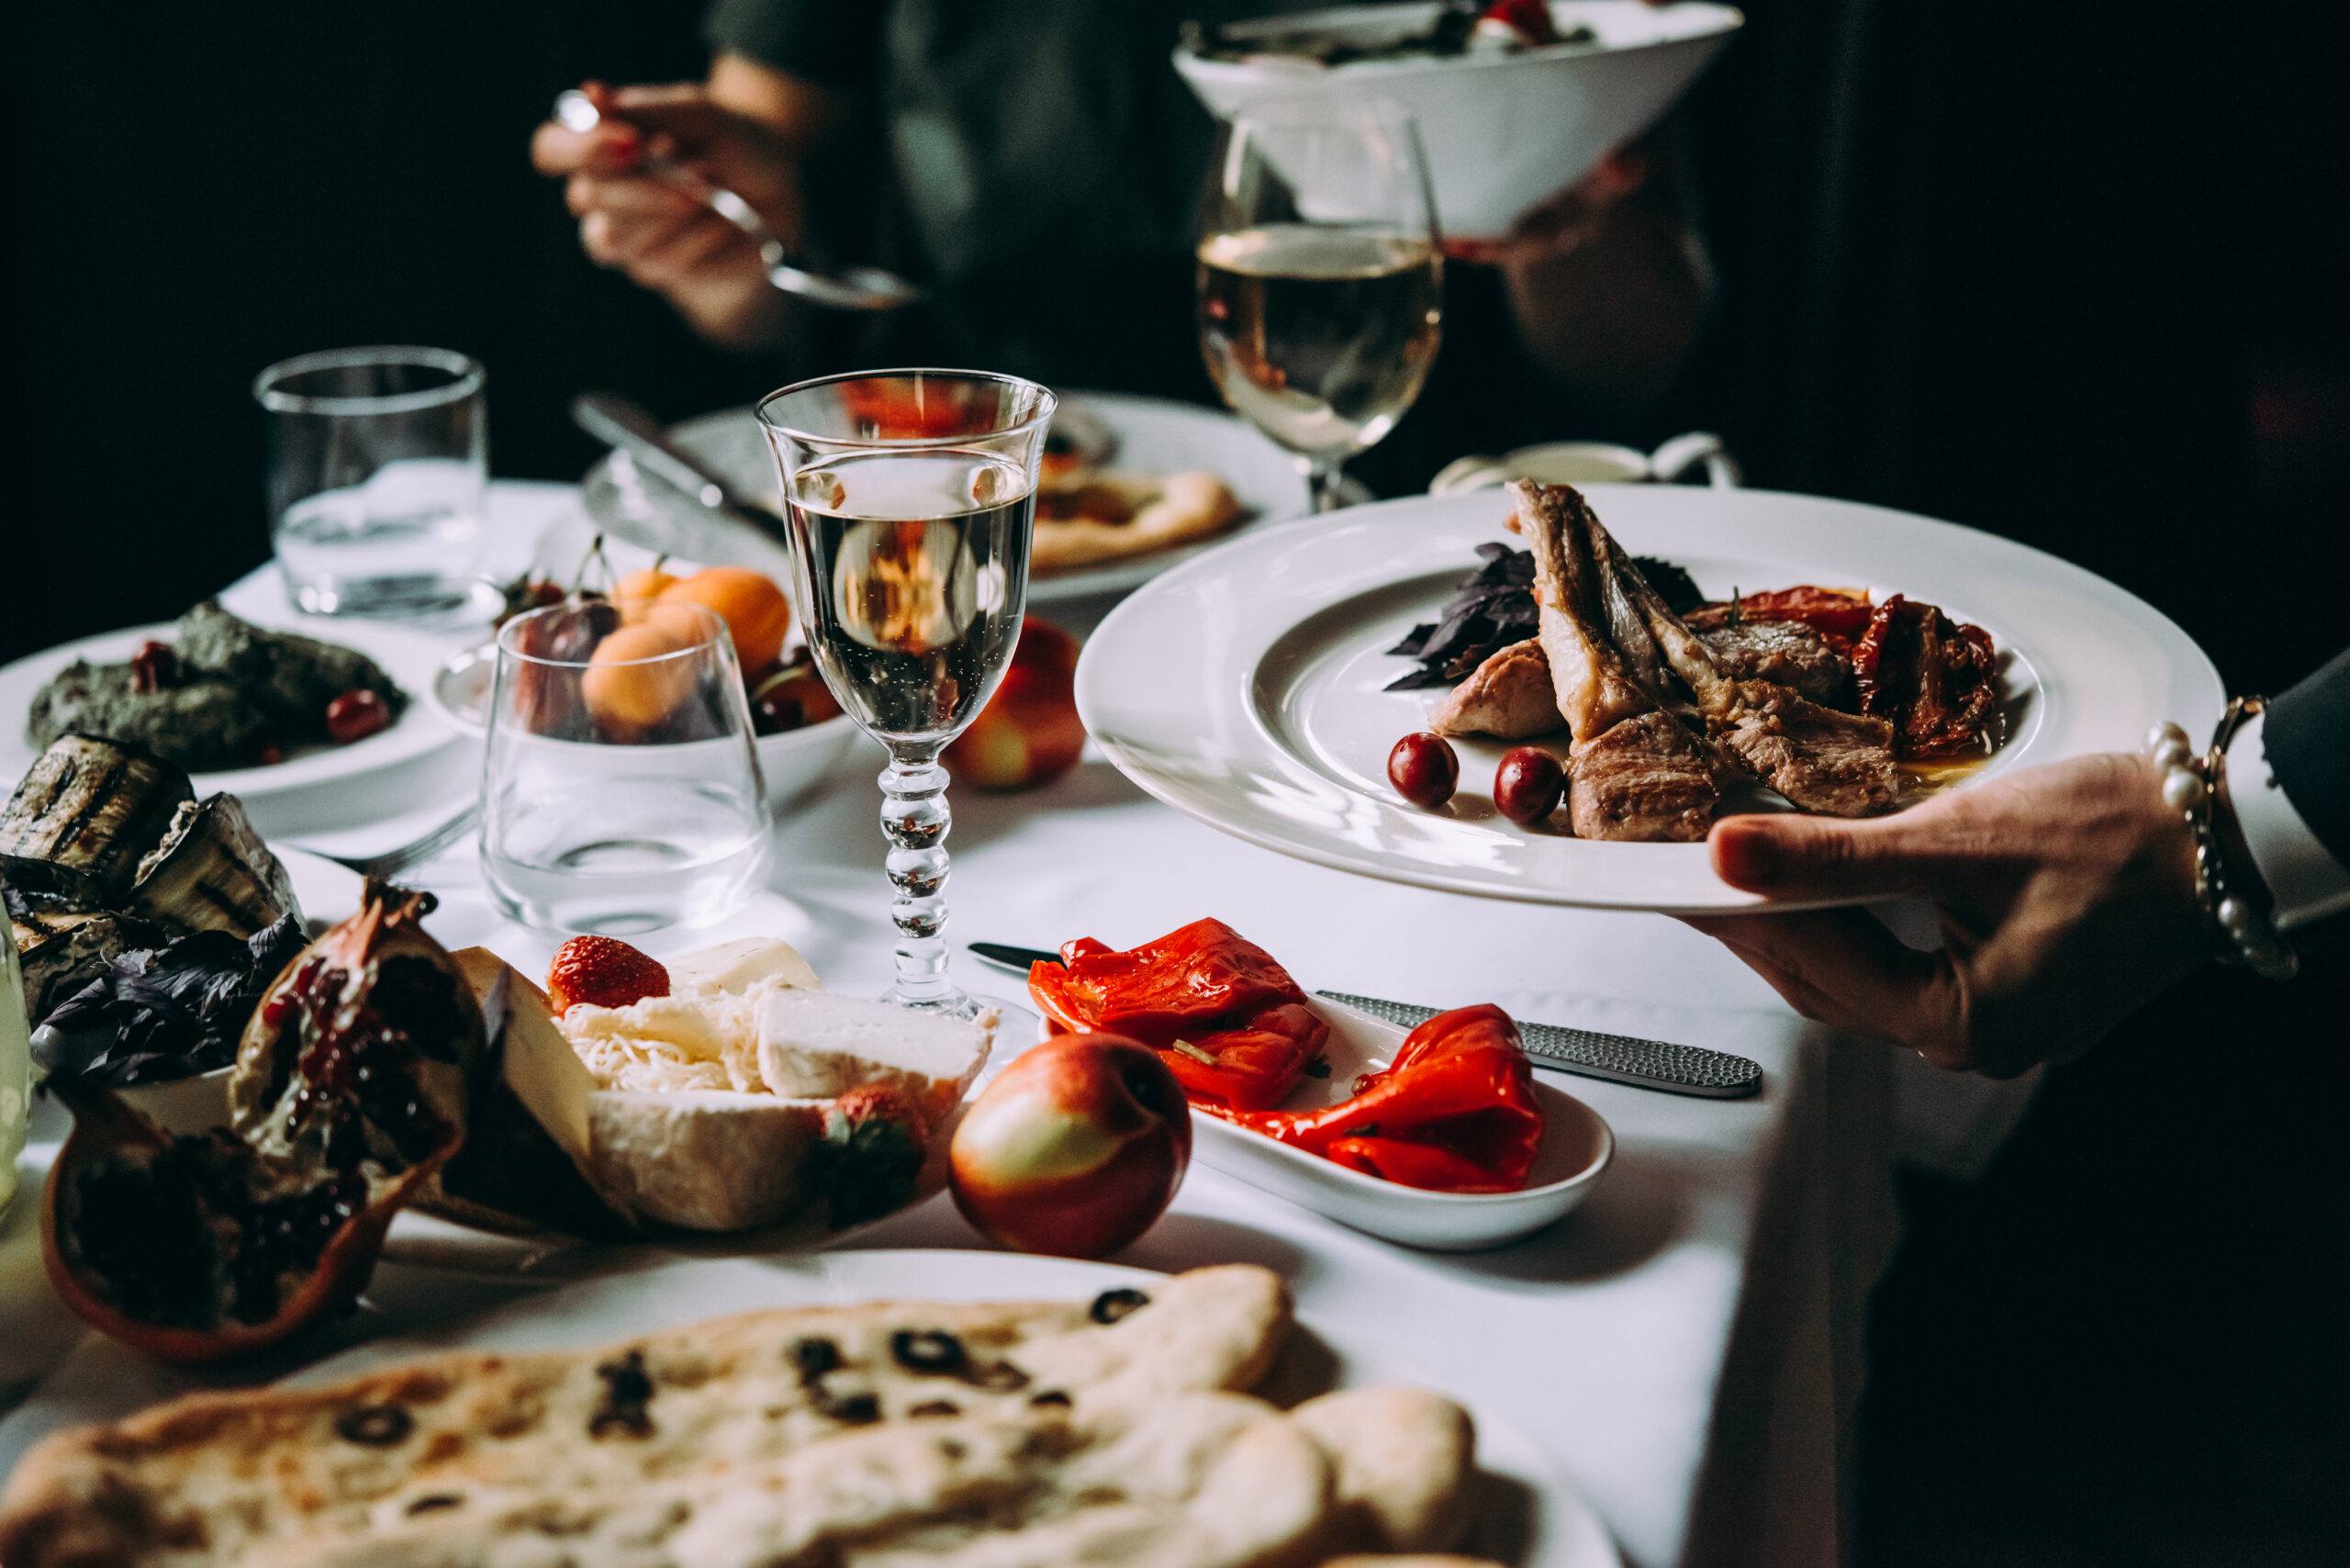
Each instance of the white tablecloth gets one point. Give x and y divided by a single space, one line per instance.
1686 1349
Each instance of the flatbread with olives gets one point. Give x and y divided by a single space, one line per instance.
1094 517
734 1440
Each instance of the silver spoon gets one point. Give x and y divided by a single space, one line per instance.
851 288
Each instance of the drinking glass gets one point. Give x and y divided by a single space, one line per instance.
620 793
379 469
910 494
1321 277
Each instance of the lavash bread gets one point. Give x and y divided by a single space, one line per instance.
854 1426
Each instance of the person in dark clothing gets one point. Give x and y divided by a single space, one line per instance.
2067 894
1037 166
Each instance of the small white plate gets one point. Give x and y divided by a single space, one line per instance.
1563 1532
789 761
410 659
1577 1145
1247 687
1154 436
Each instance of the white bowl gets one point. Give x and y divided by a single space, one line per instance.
1577 1145
789 761
1503 133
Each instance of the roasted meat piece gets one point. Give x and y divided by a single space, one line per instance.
1933 680
1509 696
1787 653
1655 779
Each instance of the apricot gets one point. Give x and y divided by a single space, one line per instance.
755 609
635 592
631 680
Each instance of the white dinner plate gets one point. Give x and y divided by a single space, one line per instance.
1154 434
1563 1531
411 658
1245 687
1577 1145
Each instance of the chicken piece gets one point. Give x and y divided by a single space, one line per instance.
1786 653
1649 780
1635 771
1839 765
1508 697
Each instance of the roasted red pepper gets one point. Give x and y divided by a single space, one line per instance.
1454 1113
1530 18
1932 678
1839 614
1232 1024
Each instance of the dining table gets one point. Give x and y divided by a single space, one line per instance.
1686 1350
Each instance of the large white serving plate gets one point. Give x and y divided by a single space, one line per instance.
1154 434
1503 132
1577 1145
1243 688
1562 1531
411 658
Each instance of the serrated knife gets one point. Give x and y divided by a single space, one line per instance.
1619 1059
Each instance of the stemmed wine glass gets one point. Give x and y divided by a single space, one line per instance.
910 494
1321 277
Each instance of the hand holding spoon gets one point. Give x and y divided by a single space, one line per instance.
851 288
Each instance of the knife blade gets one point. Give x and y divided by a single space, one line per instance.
728 528
1619 1059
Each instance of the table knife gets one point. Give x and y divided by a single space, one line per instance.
628 427
1619 1059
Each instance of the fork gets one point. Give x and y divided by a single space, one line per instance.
393 861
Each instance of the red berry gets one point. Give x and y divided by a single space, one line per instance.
603 971
154 667
1424 769
356 715
1528 784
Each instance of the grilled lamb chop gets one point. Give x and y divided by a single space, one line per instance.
1785 653
1635 771
1508 697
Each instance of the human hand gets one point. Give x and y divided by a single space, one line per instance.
2065 896
633 220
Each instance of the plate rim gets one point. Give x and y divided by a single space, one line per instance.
2189 667
420 731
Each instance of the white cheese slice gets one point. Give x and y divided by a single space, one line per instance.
702 1159
821 1043
738 966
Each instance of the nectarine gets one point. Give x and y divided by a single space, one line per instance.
755 609
1029 732
1077 1149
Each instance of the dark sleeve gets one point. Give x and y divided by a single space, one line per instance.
2307 737
831 43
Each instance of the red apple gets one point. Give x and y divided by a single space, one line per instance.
1029 731
1076 1149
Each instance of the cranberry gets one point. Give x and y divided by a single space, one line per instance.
1528 784
775 713
154 667
1424 769
356 715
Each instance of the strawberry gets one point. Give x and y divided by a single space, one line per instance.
603 971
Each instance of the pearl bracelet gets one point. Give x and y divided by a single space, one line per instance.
2191 786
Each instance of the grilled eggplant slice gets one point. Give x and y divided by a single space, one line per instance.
85 817
62 951
213 873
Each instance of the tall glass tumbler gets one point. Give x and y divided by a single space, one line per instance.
620 793
910 494
378 474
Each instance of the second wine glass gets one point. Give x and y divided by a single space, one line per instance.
1321 277
910 495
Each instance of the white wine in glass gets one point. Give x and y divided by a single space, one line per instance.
1321 278
910 495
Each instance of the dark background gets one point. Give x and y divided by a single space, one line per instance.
2076 274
